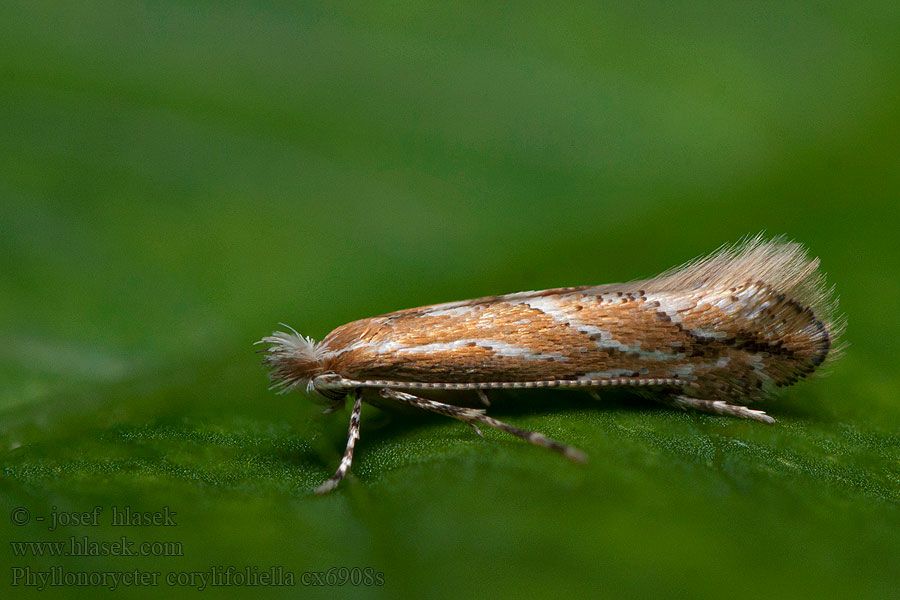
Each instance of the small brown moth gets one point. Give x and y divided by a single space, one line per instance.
714 334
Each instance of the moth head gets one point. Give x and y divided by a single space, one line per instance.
295 362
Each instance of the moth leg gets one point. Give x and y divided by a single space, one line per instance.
473 415
483 397
352 436
333 408
720 407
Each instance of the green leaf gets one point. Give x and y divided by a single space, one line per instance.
176 179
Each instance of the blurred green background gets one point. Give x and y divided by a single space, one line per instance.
176 178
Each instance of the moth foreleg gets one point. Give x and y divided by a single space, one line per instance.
476 415
352 436
720 407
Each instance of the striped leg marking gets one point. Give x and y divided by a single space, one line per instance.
476 415
720 407
352 436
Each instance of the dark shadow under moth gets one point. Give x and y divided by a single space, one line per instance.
715 334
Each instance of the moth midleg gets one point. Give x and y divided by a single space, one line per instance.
352 436
720 407
472 415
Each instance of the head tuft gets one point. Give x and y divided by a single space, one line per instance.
294 360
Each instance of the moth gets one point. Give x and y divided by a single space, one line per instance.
715 334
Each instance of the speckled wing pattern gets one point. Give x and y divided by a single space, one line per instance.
732 327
